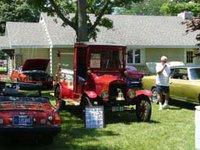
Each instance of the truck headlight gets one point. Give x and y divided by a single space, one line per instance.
105 94
131 93
50 118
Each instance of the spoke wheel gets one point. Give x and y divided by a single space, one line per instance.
143 109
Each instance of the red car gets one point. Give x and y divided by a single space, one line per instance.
34 71
99 79
27 114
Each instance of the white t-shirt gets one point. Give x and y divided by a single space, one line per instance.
163 78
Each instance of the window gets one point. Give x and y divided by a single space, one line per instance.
134 56
189 57
180 73
106 59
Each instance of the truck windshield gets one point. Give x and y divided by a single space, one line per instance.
106 59
195 74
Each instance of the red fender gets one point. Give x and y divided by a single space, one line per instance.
144 92
66 92
91 94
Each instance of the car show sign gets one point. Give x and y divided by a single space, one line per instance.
94 117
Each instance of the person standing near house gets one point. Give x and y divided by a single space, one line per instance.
162 82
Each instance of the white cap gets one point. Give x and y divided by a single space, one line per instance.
163 58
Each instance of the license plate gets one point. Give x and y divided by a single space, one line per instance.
22 120
117 108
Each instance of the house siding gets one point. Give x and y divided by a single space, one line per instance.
65 59
154 55
22 54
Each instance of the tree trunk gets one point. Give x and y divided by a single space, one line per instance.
82 32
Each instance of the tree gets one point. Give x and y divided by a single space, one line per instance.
16 10
146 7
173 8
84 27
193 25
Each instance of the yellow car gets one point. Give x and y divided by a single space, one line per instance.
184 84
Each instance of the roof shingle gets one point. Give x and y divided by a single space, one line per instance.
4 42
26 34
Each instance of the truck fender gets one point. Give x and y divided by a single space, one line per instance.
91 94
144 92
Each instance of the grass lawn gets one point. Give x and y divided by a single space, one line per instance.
169 129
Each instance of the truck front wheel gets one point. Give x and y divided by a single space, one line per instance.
143 109
85 101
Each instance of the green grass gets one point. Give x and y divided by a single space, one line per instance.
169 129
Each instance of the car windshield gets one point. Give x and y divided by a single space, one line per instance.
12 92
106 59
195 73
23 98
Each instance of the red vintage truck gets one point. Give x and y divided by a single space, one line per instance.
98 78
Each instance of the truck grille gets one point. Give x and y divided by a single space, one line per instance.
114 87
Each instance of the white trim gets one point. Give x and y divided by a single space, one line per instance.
10 67
51 61
29 46
63 46
40 46
163 46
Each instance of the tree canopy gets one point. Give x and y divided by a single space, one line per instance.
16 10
172 8
84 27
145 7
194 25
161 7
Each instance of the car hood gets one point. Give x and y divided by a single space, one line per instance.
24 105
35 64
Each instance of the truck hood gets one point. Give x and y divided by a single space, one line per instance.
24 105
35 64
104 78
102 81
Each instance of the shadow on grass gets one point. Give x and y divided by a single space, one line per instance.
181 105
73 136
126 117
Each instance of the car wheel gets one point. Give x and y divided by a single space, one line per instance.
59 102
154 96
143 109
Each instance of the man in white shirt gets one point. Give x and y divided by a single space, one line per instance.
162 82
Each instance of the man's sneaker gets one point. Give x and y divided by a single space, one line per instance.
160 108
166 106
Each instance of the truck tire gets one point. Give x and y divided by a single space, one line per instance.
143 109
59 102
84 101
